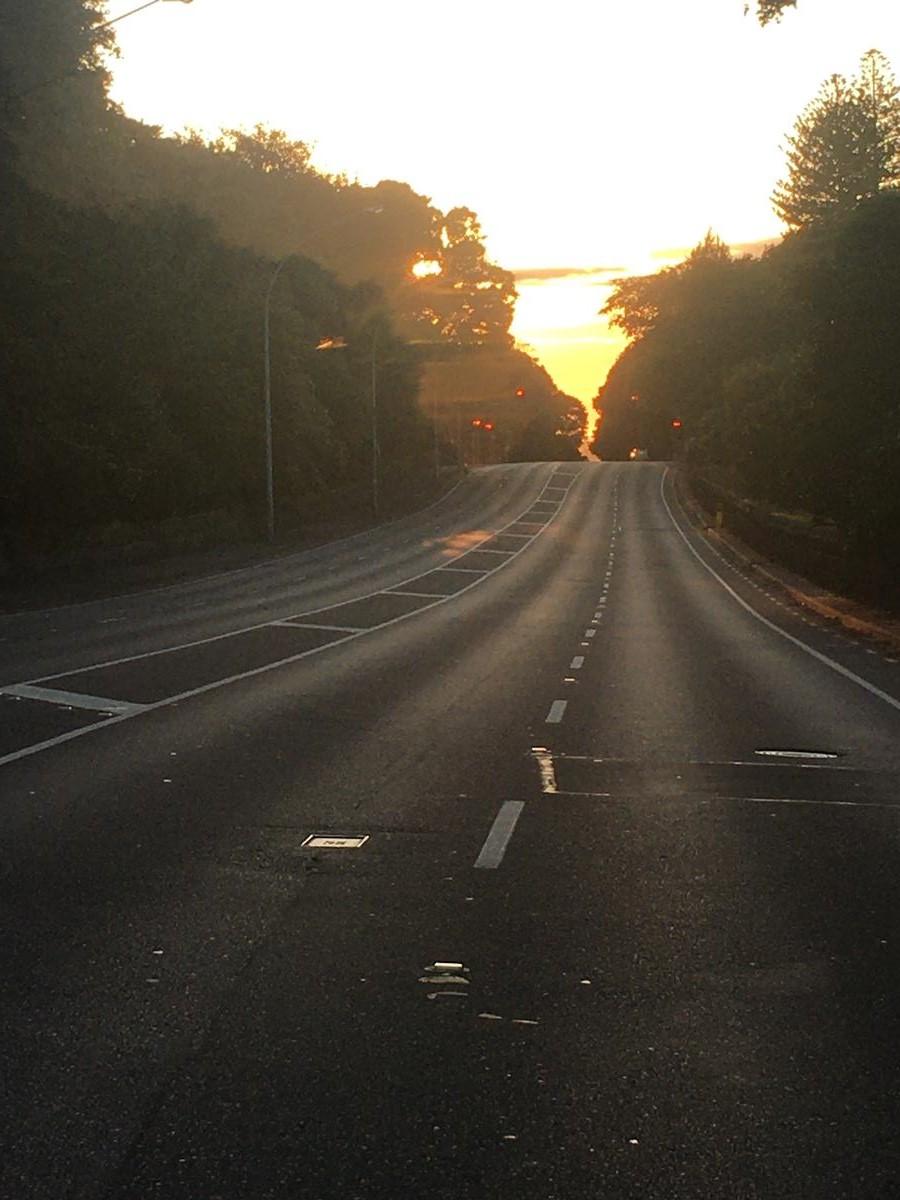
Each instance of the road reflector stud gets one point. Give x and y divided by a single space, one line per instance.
324 841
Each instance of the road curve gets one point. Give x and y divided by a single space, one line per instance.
614 913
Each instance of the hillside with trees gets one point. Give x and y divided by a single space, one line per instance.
783 370
136 268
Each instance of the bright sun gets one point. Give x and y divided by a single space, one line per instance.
425 267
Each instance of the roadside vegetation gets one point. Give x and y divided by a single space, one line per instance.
784 370
135 268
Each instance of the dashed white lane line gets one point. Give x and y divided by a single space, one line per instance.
501 831
577 663
25 691
589 633
556 713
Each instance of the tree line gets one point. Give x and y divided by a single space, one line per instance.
782 372
135 268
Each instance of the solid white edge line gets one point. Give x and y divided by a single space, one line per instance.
789 637
286 559
115 662
499 835
49 743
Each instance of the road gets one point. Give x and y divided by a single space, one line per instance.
614 910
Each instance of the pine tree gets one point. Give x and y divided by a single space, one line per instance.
845 146
878 95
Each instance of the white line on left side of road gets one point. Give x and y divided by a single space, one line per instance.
557 710
500 832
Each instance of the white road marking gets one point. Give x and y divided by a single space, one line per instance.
556 713
404 592
796 753
589 633
501 831
789 637
577 663
544 760
26 691
327 841
252 568
177 698
328 628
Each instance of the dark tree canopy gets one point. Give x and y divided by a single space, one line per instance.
135 269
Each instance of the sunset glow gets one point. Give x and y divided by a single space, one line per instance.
426 267
618 130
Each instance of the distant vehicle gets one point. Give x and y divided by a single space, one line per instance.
637 454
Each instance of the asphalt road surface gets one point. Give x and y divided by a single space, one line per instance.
602 897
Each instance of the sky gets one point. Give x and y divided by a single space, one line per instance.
593 137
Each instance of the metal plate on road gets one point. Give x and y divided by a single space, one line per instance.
323 841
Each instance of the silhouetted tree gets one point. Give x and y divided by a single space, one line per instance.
771 10
845 146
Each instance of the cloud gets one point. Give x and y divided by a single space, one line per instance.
677 254
543 274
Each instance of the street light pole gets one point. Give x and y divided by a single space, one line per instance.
267 356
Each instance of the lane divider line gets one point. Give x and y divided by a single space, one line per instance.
556 713
169 701
421 595
577 663
219 637
498 837
26 691
310 625
788 637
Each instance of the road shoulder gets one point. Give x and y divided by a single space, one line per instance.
852 615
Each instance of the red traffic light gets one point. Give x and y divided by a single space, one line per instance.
488 425
520 392
477 422
676 424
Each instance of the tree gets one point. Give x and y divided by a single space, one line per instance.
269 151
771 10
844 148
470 301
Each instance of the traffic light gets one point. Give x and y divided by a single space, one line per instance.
477 422
676 423
489 426
520 392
